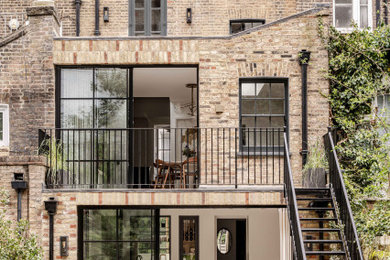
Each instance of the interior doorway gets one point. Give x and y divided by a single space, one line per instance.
231 239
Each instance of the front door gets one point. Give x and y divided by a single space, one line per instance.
231 239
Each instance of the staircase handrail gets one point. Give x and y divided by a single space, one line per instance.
292 206
337 182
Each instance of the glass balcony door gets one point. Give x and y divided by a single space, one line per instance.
94 110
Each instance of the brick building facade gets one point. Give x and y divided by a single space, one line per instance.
36 57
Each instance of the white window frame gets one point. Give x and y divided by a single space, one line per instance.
4 108
355 15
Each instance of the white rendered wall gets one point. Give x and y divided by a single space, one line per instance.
267 235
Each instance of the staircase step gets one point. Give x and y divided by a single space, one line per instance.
316 199
320 230
325 253
305 191
316 208
318 219
323 241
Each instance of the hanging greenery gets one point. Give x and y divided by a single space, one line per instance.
358 74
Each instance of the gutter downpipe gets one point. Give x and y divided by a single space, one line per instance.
97 32
304 58
78 6
51 207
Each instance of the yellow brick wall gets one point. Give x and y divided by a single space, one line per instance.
269 52
209 17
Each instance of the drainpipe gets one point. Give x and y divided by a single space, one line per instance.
51 207
97 32
20 185
304 58
78 6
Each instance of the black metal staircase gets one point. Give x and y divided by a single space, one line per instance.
321 221
321 231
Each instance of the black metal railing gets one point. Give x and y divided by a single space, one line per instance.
338 187
162 157
292 207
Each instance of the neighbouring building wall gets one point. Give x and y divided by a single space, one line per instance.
27 87
27 81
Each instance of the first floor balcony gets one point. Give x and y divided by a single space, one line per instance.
163 158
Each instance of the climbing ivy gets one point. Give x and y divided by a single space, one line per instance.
358 73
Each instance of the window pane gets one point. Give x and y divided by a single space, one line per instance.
248 90
111 113
141 250
139 20
262 90
76 83
248 122
236 27
380 101
277 106
262 107
156 20
343 2
248 107
100 250
165 238
1 126
247 26
156 3
137 225
99 225
263 122
277 121
277 90
139 3
190 237
111 83
136 250
363 2
343 16
76 113
363 16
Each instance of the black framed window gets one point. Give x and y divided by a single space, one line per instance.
147 17
122 233
263 112
94 98
189 237
240 25
118 234
91 99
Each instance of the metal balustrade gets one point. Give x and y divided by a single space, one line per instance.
162 158
338 187
292 207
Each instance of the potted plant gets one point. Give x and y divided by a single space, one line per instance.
314 172
57 174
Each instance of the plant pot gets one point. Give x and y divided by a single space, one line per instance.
314 178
